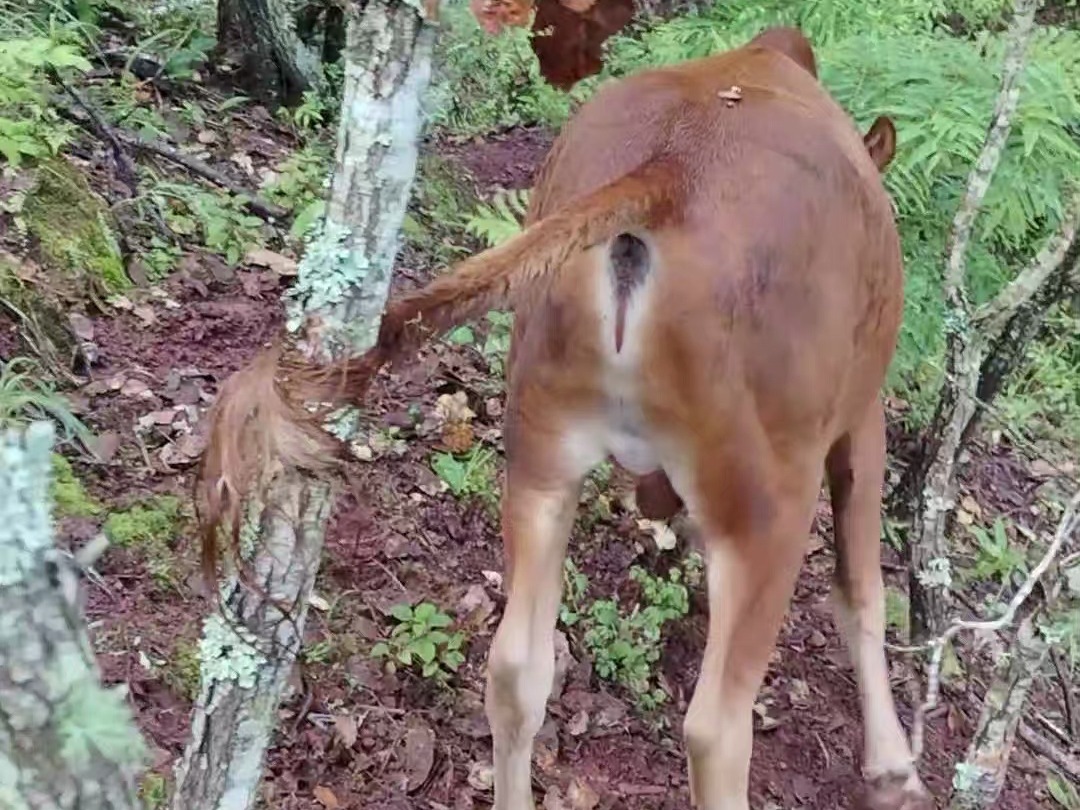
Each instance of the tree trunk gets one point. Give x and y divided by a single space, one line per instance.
65 741
980 778
930 485
342 287
276 63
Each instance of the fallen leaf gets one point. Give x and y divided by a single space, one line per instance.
476 604
663 536
971 505
964 518
318 602
817 639
282 265
494 578
326 797
243 160
454 408
799 693
347 729
105 445
553 799
207 137
134 387
146 314
82 326
581 796
481 776
578 724
419 755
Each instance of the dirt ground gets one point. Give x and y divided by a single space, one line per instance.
352 736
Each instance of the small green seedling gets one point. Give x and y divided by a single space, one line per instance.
420 639
996 558
470 474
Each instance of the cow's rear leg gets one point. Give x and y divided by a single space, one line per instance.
537 514
753 560
855 466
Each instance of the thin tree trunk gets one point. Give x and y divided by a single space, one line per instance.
931 483
342 287
275 61
66 742
980 778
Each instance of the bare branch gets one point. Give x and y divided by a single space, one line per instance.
1069 523
1017 39
991 317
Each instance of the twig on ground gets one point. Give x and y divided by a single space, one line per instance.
124 165
1068 763
1069 522
1066 691
257 205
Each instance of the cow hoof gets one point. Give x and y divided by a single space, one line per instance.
896 791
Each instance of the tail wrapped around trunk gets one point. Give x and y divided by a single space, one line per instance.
269 416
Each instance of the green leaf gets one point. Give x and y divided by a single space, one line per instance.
306 218
430 669
380 650
462 336
402 612
424 649
405 656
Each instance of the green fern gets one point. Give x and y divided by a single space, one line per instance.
500 220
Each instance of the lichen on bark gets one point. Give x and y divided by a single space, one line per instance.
66 741
343 282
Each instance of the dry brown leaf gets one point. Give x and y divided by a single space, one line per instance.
326 797
419 757
261 257
82 326
581 796
481 776
454 408
347 729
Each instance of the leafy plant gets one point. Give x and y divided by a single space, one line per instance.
575 584
471 474
26 396
30 127
221 220
420 639
500 220
300 184
624 646
996 557
1063 792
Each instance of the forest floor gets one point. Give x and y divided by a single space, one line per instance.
353 735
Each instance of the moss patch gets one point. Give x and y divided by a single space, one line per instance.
181 672
69 495
153 521
72 227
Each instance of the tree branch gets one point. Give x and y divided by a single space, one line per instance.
1017 39
992 317
1069 523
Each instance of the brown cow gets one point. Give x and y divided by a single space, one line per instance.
709 286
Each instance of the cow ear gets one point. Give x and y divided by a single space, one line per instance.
880 142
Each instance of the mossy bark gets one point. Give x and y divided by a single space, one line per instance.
65 741
248 652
